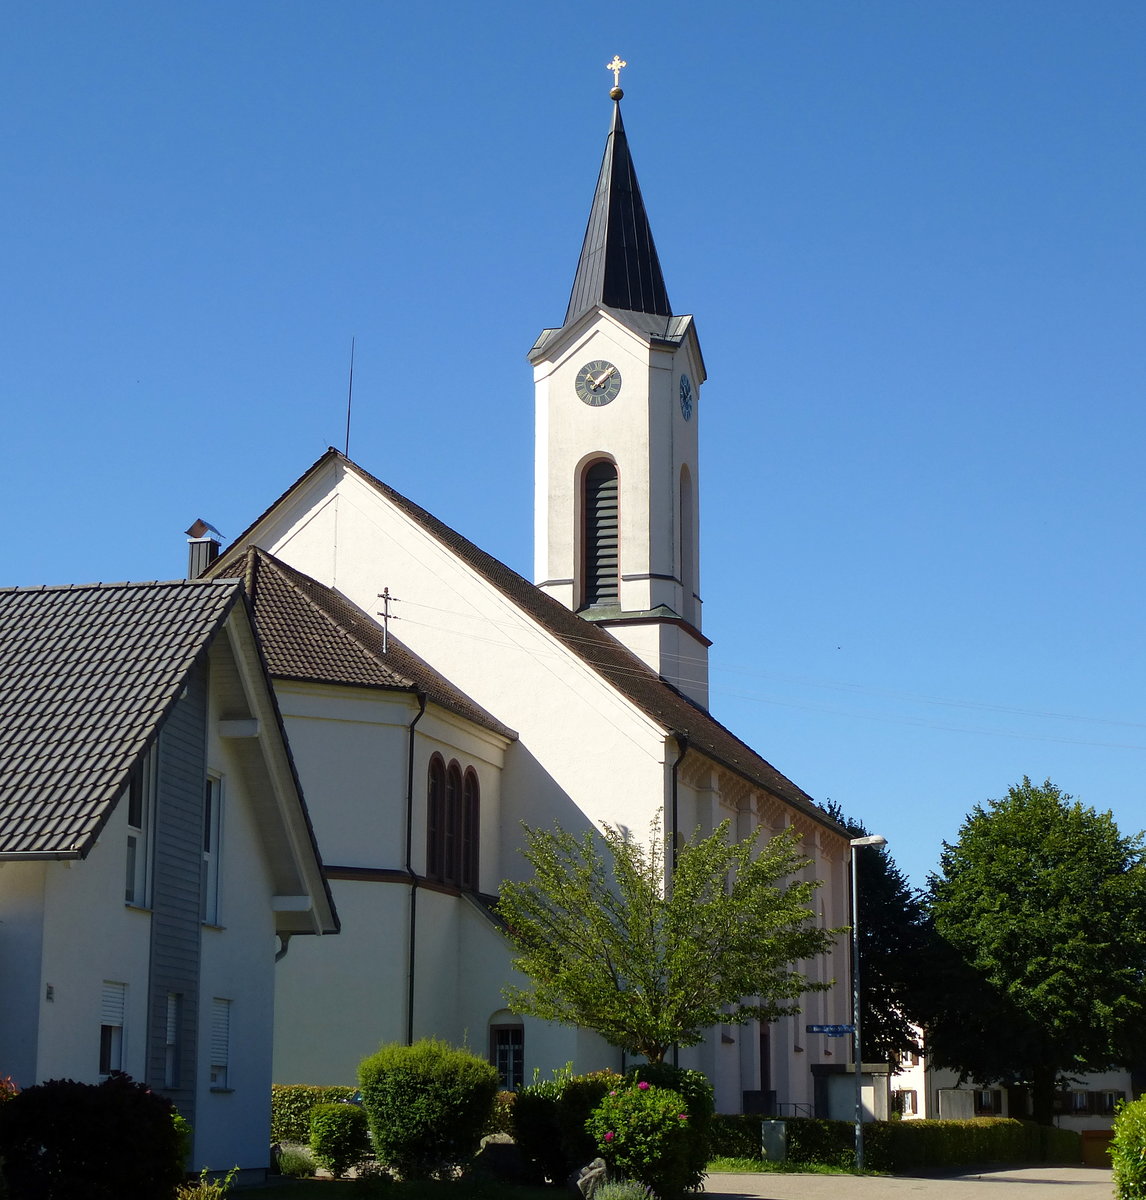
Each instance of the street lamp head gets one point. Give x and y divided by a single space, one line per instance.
875 840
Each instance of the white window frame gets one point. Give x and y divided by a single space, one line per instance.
212 850
139 801
113 1013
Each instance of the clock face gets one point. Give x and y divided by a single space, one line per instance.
598 382
686 397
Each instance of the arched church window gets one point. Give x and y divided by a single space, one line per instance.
601 582
452 824
436 818
471 824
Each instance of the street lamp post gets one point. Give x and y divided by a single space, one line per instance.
856 844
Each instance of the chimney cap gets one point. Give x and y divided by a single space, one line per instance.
200 528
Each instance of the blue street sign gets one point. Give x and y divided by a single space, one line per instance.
831 1030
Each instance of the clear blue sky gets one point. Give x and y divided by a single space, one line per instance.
913 236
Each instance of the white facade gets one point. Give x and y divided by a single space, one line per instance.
78 965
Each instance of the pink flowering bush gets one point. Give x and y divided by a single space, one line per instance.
643 1133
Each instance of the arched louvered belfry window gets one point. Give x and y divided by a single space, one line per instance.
436 818
601 584
471 824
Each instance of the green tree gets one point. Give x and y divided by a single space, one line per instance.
892 939
609 944
1040 964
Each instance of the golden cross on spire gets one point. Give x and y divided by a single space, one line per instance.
615 66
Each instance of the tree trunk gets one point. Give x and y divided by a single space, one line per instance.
1042 1095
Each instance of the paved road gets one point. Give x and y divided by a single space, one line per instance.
1021 1183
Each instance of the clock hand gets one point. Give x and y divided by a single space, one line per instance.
602 378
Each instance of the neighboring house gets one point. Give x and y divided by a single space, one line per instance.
1086 1102
154 844
577 700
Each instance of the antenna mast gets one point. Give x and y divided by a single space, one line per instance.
349 398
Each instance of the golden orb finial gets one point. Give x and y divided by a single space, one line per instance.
615 92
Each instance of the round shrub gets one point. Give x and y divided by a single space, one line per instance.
338 1137
114 1140
699 1103
642 1132
428 1105
579 1096
1128 1150
291 1104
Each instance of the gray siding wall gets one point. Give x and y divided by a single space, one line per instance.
175 928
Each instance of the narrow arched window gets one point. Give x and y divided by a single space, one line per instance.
451 843
471 825
436 818
602 536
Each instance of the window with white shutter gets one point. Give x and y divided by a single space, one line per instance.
113 1006
220 1043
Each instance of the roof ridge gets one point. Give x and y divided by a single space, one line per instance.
120 584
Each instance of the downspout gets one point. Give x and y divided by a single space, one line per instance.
674 829
674 825
412 931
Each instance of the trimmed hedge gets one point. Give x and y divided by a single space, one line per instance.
901 1145
1128 1150
339 1138
291 1104
428 1104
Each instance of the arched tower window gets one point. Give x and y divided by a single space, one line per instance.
601 579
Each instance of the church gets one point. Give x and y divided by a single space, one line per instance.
434 699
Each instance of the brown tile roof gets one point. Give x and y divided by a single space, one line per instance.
311 632
87 674
595 646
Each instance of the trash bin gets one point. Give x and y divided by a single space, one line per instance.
774 1141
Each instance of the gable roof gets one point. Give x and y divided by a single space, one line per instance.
686 721
312 633
87 675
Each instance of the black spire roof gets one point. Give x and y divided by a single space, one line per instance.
618 267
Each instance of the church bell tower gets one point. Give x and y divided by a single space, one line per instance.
617 386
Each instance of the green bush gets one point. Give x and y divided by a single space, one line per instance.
1128 1150
294 1163
428 1105
502 1119
338 1137
114 1140
291 1104
579 1097
206 1188
735 1135
643 1133
535 1127
696 1089
621 1189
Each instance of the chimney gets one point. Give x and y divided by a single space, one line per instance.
203 546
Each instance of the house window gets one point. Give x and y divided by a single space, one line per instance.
1108 1102
113 1005
601 579
988 1102
212 830
172 1041
507 1053
220 1044
140 810
905 1101
452 824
